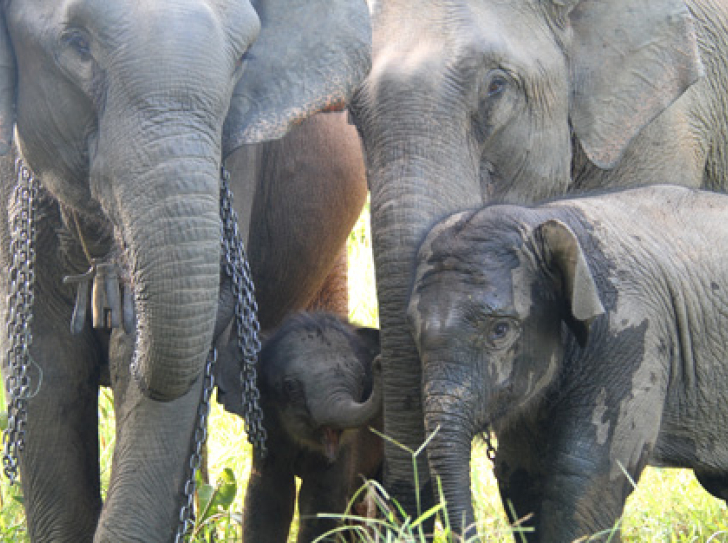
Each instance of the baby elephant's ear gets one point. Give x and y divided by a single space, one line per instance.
566 259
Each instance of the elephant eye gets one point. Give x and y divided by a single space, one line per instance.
76 41
496 83
496 86
502 332
292 389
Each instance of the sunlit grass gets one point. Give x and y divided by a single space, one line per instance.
668 506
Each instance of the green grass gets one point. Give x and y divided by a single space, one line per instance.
668 506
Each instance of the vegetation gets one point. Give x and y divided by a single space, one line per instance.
668 506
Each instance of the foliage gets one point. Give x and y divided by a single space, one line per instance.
668 506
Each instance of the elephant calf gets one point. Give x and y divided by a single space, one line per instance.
319 393
590 334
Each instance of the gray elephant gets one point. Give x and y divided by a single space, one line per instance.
320 395
124 112
589 333
310 187
477 101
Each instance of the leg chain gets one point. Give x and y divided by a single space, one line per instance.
203 411
490 450
21 295
246 315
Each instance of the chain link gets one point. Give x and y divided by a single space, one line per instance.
490 450
203 411
21 295
246 316
247 327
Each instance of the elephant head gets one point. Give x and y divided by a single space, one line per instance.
486 312
469 102
317 380
126 110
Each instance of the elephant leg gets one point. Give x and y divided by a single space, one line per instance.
715 483
324 489
151 459
269 499
587 480
333 296
519 471
310 189
60 464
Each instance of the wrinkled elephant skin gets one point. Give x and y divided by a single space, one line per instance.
589 334
309 189
470 102
125 112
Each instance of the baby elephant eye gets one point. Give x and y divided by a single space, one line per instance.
292 389
502 332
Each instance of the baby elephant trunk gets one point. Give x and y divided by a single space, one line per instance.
348 413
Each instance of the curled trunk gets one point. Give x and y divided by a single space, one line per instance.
347 413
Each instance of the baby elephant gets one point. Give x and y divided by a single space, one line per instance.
592 335
319 394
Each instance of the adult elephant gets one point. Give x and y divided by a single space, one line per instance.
124 112
470 101
309 188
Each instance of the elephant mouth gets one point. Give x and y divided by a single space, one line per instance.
330 440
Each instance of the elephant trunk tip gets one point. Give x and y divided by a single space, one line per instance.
160 388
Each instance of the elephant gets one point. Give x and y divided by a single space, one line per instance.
310 187
115 118
588 333
319 392
473 102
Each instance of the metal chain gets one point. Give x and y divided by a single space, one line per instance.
21 295
490 450
247 327
203 411
246 316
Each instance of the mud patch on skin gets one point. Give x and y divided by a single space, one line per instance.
425 267
600 411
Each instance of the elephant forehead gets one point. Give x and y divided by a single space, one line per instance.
315 351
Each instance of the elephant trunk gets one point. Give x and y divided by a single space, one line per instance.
346 413
175 263
410 192
166 210
449 455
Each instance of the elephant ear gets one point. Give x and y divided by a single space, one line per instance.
310 56
565 259
631 59
7 87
